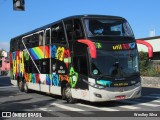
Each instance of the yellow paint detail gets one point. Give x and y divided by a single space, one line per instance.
117 47
59 54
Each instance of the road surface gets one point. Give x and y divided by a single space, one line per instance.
11 99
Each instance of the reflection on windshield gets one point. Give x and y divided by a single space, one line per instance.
115 63
105 27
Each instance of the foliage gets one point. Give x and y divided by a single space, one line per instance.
146 67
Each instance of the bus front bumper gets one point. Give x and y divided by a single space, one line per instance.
115 93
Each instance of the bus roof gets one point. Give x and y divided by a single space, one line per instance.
67 18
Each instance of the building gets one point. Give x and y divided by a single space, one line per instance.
4 63
154 42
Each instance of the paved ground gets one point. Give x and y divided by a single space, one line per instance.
13 100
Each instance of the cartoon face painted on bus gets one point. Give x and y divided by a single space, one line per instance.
59 54
73 77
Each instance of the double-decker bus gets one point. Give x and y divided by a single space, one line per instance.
88 57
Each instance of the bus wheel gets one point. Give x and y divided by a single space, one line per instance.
20 85
26 90
68 94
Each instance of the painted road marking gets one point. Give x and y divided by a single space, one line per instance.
129 107
66 107
45 109
140 103
7 87
103 108
156 101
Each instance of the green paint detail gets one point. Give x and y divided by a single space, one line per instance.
73 77
26 55
40 56
98 45
11 73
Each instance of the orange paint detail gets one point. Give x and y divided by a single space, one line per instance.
64 77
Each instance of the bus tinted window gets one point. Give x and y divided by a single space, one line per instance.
13 45
35 39
105 27
57 34
47 37
27 42
69 29
74 29
41 41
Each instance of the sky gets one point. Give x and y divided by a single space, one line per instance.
142 15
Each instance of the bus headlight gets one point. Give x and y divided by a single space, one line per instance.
138 84
94 85
99 86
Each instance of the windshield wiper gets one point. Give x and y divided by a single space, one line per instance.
103 75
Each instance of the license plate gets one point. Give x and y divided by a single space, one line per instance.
121 97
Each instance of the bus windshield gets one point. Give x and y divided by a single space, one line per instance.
115 63
107 27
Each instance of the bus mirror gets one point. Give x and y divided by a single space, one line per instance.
91 45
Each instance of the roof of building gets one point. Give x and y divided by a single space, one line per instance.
149 38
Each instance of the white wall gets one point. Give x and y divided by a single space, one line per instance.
155 44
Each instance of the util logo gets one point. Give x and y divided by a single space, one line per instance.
117 47
124 46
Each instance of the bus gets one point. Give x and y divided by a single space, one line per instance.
88 57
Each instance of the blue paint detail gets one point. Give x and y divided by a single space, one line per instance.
33 54
33 78
14 55
48 80
132 45
53 51
104 82
55 80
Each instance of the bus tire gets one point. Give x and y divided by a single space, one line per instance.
26 90
20 85
68 94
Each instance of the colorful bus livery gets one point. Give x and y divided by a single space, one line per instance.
88 57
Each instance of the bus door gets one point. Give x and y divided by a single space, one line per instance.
59 58
79 66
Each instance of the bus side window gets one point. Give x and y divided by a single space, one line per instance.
57 35
35 38
74 29
26 42
41 41
69 29
47 37
31 41
11 46
20 45
14 45
78 31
